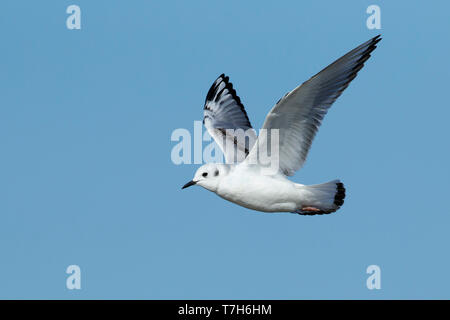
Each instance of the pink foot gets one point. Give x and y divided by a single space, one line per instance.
311 209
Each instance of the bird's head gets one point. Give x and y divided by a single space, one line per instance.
208 176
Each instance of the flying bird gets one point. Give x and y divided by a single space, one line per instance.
295 119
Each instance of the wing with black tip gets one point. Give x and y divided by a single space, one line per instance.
227 122
299 114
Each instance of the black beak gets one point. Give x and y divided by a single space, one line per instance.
190 183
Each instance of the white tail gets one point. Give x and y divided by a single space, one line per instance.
321 198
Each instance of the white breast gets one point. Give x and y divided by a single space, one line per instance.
259 192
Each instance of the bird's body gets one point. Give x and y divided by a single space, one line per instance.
289 130
248 186
245 185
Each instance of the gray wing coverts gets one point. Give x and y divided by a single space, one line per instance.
299 114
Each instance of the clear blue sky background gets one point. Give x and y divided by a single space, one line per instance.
86 176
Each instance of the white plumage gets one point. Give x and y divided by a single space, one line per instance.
296 118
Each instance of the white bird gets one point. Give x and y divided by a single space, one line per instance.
297 116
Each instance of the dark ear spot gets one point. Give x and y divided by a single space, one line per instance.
216 173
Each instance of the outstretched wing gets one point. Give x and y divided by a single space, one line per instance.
299 113
227 122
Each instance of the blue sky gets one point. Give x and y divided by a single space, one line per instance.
86 176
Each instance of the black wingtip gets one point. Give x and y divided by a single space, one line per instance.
213 95
212 90
374 41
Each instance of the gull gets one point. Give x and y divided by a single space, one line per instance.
295 118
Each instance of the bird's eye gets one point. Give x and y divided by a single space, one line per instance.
216 173
205 174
